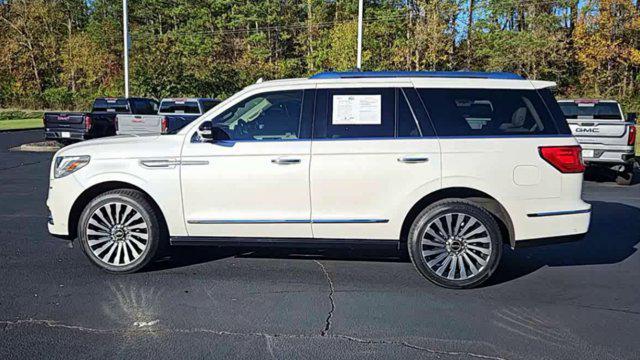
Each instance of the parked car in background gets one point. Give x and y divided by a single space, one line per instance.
450 166
100 122
173 115
606 137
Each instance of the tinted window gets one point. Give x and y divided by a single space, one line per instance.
209 104
406 121
591 110
355 113
482 112
268 116
111 105
558 117
143 107
179 107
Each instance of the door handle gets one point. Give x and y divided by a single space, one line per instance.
413 159
283 161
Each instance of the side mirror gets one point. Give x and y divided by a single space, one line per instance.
212 133
205 130
632 117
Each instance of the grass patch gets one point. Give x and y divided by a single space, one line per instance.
21 124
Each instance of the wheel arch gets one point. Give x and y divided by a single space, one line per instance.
481 198
100 188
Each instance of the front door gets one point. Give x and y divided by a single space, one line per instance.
255 183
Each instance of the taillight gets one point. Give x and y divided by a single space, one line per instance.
164 125
567 159
632 135
87 123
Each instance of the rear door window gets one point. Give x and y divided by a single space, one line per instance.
355 113
591 110
209 104
487 112
111 105
179 107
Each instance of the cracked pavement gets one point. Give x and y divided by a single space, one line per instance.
566 301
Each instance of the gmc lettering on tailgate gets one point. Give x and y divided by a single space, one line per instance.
588 130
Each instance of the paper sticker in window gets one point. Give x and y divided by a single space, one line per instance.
357 110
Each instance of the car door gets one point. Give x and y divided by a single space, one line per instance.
371 161
255 183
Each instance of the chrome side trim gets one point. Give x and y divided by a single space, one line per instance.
159 163
557 213
170 163
194 162
289 221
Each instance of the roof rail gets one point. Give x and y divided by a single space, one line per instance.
431 74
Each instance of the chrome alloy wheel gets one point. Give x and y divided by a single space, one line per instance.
117 234
456 246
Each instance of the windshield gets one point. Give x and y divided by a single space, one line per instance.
111 105
600 110
179 107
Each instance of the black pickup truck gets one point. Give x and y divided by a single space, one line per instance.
100 122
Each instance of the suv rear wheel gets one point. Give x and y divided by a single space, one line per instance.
119 231
455 244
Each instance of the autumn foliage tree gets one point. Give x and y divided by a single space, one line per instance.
64 53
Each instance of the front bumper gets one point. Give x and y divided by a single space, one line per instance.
62 195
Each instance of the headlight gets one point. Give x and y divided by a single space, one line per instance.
66 165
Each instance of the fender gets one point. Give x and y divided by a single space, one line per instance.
170 204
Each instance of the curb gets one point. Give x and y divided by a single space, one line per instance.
35 148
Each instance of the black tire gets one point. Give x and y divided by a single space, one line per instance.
149 218
454 209
625 177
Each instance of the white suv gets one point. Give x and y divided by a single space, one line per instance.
450 165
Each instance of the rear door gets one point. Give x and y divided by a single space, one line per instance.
370 158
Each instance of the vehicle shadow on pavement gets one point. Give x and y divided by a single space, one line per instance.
613 236
603 175
186 256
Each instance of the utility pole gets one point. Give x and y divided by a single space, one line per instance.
360 12
125 31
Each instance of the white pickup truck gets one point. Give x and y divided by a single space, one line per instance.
173 115
606 137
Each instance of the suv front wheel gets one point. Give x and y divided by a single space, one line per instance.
119 231
455 244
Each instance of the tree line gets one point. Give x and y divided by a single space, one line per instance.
63 53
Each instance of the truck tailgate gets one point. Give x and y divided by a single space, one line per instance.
63 119
139 124
594 131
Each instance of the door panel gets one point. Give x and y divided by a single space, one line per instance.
363 185
256 182
364 178
239 189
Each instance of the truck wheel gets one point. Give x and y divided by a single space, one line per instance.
119 231
625 177
455 244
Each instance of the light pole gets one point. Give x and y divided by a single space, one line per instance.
125 31
360 11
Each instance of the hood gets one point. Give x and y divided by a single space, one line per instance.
126 147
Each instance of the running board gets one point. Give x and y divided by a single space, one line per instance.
280 242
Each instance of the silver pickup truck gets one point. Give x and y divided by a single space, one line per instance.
606 137
173 115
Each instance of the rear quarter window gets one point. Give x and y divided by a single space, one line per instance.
488 112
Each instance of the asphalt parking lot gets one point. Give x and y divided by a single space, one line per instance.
578 300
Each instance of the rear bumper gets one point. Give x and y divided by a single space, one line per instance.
608 156
550 227
550 240
67 134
